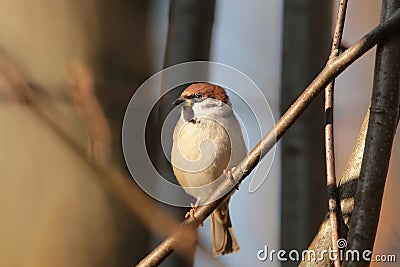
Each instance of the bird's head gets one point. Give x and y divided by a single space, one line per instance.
199 92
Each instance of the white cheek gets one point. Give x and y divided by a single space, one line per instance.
208 108
197 109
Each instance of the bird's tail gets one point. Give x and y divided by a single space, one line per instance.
223 237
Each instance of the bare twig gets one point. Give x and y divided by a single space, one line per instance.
332 70
382 126
91 113
329 138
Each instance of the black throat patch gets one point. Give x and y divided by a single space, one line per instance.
188 114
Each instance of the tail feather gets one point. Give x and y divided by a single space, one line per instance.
224 240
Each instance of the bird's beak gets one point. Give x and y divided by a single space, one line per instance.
179 100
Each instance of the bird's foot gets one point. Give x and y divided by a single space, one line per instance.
190 214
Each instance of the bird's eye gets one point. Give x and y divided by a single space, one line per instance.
198 95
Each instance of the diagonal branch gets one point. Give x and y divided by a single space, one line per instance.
329 146
332 70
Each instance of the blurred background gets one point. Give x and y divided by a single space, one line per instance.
86 59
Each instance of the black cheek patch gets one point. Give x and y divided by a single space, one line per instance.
210 105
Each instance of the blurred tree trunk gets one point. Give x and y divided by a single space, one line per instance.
62 217
189 33
122 62
189 37
122 56
306 38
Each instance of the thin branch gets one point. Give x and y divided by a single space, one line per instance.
382 126
329 138
347 190
91 113
332 70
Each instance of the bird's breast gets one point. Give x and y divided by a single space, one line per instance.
200 152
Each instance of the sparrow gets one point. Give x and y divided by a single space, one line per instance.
208 141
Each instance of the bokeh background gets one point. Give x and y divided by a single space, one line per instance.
53 210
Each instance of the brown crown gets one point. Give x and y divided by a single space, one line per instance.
207 90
